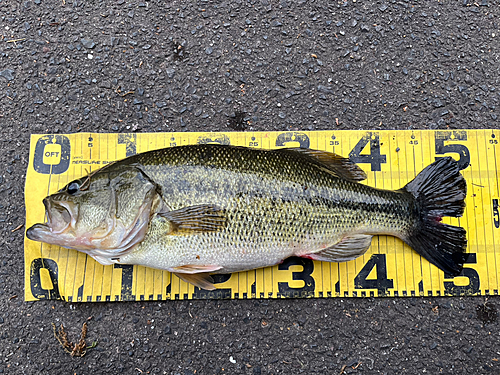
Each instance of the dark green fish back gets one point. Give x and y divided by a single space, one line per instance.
279 203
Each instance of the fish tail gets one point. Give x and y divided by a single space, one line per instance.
439 190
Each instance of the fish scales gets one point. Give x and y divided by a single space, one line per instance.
200 209
277 205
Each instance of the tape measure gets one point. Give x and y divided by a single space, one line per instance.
389 268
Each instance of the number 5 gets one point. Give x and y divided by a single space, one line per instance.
461 150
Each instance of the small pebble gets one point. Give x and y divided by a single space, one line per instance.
87 43
7 74
170 72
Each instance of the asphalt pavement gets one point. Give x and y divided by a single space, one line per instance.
159 66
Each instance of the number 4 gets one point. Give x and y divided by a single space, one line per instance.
374 157
381 282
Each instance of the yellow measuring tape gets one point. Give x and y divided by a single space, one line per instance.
389 268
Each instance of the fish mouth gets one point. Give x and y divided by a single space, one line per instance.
38 232
59 216
59 220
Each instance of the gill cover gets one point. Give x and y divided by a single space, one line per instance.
103 215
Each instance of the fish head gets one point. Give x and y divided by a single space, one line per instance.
104 214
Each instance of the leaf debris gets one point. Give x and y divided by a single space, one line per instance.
75 350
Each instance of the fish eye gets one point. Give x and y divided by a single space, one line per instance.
73 188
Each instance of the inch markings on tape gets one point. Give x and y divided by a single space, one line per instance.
388 268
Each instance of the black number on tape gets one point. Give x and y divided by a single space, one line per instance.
130 142
462 150
334 142
287 137
220 293
305 275
127 276
381 283
37 265
496 214
374 158
221 139
52 154
451 288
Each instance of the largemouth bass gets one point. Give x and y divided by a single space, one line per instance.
201 209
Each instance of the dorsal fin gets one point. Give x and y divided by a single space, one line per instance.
340 166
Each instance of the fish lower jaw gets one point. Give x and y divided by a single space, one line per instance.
46 233
37 232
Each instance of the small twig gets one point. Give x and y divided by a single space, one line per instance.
118 91
127 93
16 40
342 369
17 228
12 297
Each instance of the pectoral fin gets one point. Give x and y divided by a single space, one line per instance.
348 248
197 275
196 219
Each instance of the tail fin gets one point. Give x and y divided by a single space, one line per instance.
439 190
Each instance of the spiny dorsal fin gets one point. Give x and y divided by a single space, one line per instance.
196 219
340 166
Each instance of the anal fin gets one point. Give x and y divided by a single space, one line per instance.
198 275
350 247
201 280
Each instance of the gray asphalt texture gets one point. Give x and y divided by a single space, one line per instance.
148 66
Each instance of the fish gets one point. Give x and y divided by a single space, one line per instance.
198 210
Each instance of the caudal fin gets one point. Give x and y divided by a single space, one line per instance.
439 190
